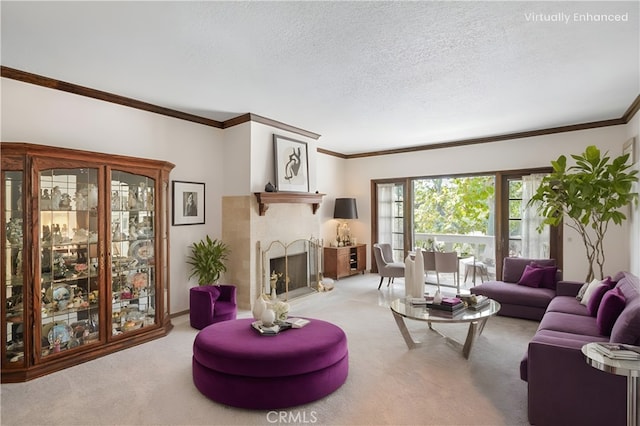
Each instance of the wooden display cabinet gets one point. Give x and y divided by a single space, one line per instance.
340 262
84 256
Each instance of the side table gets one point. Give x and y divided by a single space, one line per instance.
340 262
628 368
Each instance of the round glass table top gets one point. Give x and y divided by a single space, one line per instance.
621 367
422 313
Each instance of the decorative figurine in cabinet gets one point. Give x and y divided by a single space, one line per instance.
84 256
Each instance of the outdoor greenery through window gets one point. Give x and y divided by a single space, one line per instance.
482 217
455 214
462 205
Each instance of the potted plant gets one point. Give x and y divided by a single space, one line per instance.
589 195
207 260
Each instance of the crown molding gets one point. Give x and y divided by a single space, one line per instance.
497 138
244 118
632 110
51 83
64 86
39 80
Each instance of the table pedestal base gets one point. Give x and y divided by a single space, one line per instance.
475 330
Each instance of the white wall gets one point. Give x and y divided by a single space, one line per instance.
44 116
262 170
505 155
331 181
204 154
236 159
633 131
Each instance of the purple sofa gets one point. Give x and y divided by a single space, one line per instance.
562 388
520 301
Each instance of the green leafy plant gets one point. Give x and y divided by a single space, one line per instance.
207 260
590 196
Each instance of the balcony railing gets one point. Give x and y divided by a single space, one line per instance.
481 246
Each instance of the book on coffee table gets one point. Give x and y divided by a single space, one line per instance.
618 350
446 307
446 314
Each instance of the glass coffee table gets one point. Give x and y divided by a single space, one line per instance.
401 309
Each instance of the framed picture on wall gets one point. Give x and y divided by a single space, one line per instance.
188 203
291 164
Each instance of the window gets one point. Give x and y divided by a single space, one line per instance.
483 215
390 217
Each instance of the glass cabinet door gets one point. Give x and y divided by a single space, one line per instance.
133 265
13 274
70 272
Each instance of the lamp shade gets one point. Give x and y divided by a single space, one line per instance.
345 208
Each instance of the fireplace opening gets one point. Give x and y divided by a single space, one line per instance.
293 269
297 277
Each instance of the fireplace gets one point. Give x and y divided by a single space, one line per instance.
249 234
293 269
297 277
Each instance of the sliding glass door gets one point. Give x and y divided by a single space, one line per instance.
521 234
390 224
481 216
456 214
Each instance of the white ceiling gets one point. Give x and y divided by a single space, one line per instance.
366 76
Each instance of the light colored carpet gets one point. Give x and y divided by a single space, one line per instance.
388 384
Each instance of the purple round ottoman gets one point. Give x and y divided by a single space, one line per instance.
234 365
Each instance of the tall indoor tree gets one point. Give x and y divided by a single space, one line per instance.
589 196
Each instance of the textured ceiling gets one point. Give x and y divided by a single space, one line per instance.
366 76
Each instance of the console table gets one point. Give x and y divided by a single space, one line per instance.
345 261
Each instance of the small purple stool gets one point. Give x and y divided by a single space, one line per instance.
234 365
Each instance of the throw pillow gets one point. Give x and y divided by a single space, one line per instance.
549 275
582 290
612 305
531 277
609 281
589 291
596 298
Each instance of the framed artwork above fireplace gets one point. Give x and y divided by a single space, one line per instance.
291 163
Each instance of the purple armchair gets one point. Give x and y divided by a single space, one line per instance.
210 304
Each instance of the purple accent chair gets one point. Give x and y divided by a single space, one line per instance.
209 304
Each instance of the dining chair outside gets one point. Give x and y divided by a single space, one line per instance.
447 263
429 261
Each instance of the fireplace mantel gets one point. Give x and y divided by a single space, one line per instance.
266 198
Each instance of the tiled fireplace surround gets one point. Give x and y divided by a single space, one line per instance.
246 232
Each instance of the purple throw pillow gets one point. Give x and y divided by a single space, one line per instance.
531 277
596 297
549 275
612 305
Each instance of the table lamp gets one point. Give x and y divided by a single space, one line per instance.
345 208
